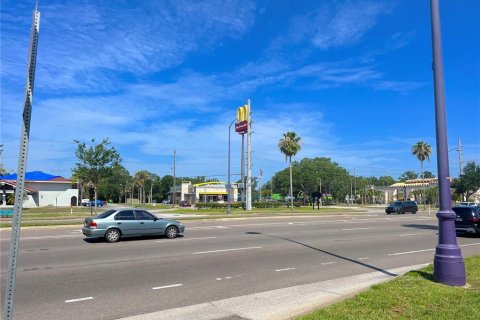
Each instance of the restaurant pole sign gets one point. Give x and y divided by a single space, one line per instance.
242 120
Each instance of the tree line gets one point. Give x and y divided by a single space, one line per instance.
99 168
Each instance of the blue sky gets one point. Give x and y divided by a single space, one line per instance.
352 78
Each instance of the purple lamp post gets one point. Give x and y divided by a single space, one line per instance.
448 264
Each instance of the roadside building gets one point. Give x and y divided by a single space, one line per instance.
215 191
405 190
41 190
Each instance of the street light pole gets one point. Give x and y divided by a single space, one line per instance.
229 186
448 265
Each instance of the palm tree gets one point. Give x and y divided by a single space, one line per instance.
140 178
423 151
289 145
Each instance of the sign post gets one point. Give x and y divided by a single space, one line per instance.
22 165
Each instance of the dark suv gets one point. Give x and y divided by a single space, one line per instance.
468 219
402 207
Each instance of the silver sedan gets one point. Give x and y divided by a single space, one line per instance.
128 222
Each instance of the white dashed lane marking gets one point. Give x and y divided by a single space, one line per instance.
79 299
186 239
226 250
169 286
285 269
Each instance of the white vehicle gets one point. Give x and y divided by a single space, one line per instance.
85 202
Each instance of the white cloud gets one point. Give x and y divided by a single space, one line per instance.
85 47
345 25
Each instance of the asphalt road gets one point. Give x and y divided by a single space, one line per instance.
60 275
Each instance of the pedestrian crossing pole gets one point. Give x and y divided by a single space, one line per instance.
22 165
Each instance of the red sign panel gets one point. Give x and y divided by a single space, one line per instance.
241 127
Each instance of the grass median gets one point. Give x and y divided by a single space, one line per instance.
66 216
412 296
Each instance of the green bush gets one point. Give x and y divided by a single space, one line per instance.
216 205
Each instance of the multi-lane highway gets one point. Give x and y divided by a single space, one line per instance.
60 275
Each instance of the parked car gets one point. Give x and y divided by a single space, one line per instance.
127 222
92 203
468 219
401 207
185 204
85 202
467 204
166 201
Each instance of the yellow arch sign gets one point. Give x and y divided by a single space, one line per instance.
243 113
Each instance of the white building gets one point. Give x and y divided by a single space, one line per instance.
41 190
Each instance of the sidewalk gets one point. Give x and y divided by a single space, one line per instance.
280 304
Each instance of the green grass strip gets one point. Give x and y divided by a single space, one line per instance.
412 296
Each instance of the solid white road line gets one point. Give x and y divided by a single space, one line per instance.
408 252
80 299
286 269
357 229
50 237
225 250
364 258
327 263
169 286
183 239
470 244
408 234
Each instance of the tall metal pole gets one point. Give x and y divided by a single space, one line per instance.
22 165
174 194
449 267
459 158
249 160
229 185
242 171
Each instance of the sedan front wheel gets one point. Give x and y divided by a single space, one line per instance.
171 232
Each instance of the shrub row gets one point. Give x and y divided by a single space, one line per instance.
237 205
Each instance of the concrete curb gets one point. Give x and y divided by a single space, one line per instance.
280 304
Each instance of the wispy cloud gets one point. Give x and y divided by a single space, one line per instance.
346 24
86 47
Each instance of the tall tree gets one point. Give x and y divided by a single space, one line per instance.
140 179
113 187
469 181
95 162
289 145
408 175
423 151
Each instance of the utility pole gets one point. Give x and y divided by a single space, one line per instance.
460 157
249 159
22 166
2 169
260 175
174 193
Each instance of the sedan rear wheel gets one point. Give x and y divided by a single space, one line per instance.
171 232
112 235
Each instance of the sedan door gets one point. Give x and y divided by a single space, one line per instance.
147 223
126 222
